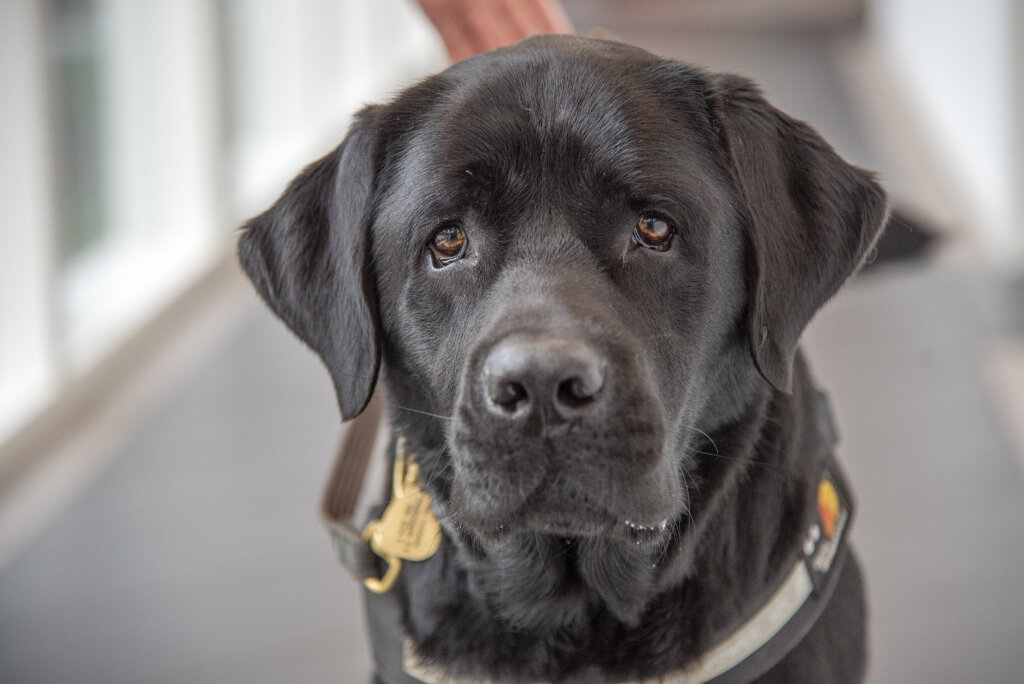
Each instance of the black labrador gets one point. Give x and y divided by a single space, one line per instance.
582 272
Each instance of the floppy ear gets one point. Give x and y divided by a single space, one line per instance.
810 220
307 257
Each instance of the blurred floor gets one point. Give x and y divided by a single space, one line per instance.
196 554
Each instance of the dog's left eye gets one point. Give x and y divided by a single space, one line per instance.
653 232
448 244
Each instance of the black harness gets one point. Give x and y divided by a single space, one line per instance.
759 641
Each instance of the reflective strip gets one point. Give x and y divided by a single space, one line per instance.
755 633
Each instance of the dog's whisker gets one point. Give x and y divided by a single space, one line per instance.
444 470
686 490
696 429
779 470
727 457
424 413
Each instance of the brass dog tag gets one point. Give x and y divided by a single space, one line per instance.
408 530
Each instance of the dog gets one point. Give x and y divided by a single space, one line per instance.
581 273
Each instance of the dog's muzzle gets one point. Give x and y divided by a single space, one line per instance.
559 430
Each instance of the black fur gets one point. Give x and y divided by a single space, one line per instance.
546 154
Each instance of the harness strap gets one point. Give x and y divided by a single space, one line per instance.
346 502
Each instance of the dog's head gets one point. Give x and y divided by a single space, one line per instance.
575 259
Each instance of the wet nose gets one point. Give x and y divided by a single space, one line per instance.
554 378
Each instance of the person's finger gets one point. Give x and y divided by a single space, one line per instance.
469 27
539 16
490 25
460 44
449 18
437 11
525 21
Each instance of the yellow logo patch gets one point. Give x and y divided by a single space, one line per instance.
828 507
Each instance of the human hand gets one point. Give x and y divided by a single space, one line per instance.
469 27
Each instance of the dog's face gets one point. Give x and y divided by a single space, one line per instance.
575 260
561 272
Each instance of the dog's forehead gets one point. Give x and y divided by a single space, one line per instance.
562 118
522 114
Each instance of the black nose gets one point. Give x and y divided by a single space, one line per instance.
551 377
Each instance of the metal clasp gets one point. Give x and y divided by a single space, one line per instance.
383 584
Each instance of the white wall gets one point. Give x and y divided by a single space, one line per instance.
954 61
27 374
300 69
160 131
284 76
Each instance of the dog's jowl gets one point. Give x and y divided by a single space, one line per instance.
580 273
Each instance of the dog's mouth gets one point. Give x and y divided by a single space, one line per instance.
591 523
623 530
643 511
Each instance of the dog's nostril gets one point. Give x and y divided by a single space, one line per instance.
579 391
507 395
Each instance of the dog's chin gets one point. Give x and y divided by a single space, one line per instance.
547 567
553 574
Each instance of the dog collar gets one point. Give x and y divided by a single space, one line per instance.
757 643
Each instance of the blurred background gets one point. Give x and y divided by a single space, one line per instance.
164 441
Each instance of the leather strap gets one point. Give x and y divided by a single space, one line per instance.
347 504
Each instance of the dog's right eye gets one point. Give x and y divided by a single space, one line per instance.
448 244
653 232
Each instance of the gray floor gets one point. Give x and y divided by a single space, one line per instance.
196 556
941 528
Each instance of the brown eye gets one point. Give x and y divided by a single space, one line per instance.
447 245
653 233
